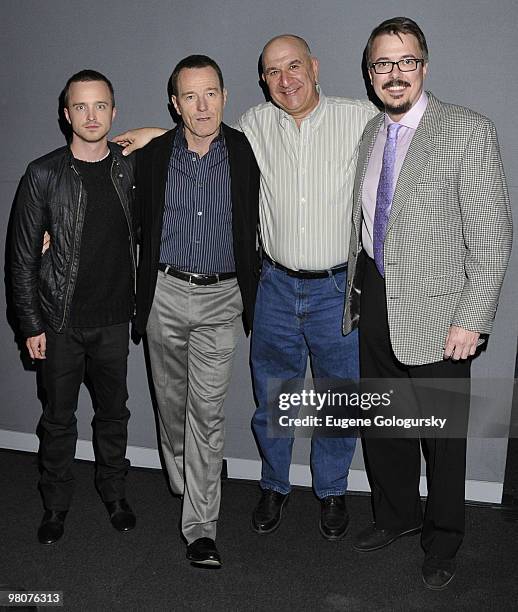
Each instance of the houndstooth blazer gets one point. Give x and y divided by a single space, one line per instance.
449 232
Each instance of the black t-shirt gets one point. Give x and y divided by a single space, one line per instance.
103 293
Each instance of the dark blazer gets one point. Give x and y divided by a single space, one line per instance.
151 176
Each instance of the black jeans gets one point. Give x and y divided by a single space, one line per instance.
101 352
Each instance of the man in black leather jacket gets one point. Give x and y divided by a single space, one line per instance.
74 302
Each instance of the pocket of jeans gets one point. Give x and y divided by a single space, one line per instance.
339 282
266 270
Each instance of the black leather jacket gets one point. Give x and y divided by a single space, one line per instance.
52 198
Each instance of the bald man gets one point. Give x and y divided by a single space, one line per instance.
305 144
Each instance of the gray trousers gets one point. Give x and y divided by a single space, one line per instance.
192 332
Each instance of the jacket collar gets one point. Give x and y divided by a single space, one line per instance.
416 158
418 154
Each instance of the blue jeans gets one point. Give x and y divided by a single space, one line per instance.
295 318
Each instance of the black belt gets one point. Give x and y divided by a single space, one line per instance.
196 279
307 273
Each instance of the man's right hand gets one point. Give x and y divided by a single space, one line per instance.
137 138
36 346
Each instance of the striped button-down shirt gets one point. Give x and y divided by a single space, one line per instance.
307 178
197 226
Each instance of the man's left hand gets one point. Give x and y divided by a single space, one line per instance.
135 139
460 343
46 242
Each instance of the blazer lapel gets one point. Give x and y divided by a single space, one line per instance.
159 171
364 153
417 157
237 182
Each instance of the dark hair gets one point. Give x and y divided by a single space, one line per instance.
82 77
397 25
193 61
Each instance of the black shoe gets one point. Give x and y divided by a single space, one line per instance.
334 519
268 512
373 539
438 573
121 515
203 553
52 526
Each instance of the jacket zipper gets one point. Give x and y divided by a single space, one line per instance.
73 249
130 229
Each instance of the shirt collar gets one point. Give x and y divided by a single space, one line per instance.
413 117
180 142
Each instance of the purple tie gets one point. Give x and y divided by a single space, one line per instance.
384 195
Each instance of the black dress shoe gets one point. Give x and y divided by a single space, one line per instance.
373 539
203 553
438 573
334 519
52 526
268 512
122 516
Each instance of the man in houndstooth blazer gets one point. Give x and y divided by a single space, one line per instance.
434 291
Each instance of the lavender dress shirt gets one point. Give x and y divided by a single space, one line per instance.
409 123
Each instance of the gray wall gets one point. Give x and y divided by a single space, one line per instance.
473 51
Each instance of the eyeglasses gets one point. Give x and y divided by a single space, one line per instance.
409 64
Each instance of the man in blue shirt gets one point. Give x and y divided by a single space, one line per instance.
198 191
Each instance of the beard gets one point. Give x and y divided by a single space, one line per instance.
397 108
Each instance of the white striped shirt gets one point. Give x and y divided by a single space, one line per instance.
307 178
